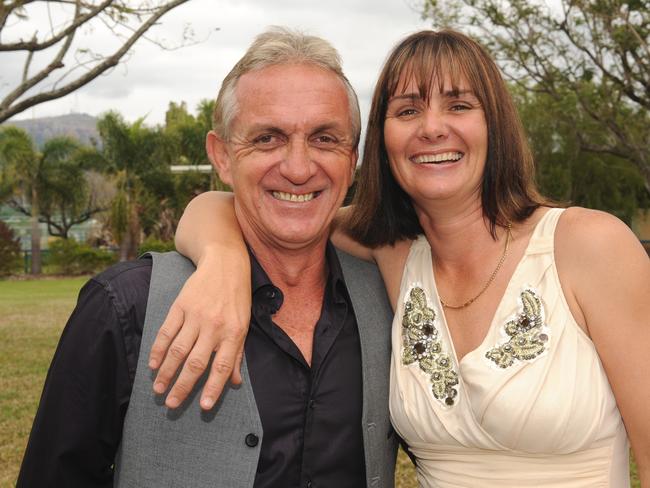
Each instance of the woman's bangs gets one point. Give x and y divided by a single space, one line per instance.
432 67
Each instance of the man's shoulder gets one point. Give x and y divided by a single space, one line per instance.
125 284
126 273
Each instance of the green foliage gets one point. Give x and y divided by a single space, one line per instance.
150 199
151 244
73 258
9 250
570 174
50 183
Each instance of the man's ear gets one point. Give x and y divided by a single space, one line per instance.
217 152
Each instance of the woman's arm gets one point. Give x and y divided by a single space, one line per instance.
607 274
212 311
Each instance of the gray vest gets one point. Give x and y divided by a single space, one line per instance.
189 448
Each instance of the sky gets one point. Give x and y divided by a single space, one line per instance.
362 30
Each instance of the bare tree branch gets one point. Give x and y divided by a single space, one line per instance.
78 21
117 11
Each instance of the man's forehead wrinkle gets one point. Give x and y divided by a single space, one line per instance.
309 124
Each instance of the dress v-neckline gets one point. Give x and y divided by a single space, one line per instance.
443 317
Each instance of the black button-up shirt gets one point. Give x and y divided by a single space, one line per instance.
311 416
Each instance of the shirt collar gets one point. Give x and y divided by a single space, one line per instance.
335 281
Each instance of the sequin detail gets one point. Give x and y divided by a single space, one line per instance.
422 345
528 334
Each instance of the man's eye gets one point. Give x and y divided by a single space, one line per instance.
325 139
265 139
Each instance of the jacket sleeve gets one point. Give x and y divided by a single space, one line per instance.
78 425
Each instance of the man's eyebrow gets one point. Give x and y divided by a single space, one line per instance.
326 126
257 128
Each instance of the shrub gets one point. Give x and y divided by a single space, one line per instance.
155 245
9 250
70 257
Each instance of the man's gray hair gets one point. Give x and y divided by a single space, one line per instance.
280 45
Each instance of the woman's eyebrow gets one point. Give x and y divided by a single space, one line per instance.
405 96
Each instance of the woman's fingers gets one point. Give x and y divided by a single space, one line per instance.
225 365
166 334
177 351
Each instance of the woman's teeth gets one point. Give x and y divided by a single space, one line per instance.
437 158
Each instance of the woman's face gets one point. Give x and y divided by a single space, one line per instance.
437 150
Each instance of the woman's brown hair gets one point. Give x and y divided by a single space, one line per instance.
382 212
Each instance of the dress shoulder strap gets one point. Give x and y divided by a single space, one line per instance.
543 236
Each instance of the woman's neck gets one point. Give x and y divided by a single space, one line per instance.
457 235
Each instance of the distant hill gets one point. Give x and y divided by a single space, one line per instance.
80 126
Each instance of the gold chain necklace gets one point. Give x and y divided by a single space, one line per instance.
489 281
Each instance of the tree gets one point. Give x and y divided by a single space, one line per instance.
23 165
135 155
568 173
149 199
127 20
9 250
69 193
50 186
591 57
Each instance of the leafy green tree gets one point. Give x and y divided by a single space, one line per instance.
135 155
49 186
23 166
66 197
591 58
566 172
9 250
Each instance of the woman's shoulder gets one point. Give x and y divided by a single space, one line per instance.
587 232
591 245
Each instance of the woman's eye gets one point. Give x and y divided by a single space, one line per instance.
460 107
407 112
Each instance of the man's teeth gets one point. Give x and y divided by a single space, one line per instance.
438 158
292 197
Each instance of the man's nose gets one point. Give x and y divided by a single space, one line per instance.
297 166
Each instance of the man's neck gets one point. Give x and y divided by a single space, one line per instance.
301 274
290 266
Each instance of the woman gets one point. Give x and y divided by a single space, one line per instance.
521 331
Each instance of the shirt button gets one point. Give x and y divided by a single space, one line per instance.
252 440
309 485
312 404
270 294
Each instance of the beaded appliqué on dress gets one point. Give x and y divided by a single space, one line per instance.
422 345
528 334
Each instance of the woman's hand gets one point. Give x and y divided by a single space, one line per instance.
205 318
212 312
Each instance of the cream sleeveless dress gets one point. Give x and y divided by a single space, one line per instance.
530 407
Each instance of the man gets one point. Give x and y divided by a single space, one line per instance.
312 410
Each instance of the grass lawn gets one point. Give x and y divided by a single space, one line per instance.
32 316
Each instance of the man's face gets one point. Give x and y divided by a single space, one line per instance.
291 154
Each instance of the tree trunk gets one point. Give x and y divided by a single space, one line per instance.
36 235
